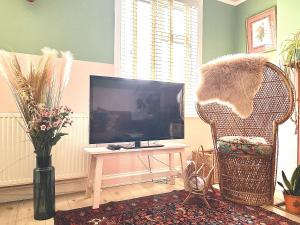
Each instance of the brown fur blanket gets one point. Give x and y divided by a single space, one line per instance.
233 81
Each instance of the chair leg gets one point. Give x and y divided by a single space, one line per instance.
206 202
187 198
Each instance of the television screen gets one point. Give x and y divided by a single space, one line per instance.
125 110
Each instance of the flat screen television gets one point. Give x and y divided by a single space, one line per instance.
127 110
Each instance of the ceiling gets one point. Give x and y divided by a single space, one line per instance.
232 2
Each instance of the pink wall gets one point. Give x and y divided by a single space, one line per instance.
76 96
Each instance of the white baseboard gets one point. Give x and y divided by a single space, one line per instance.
23 192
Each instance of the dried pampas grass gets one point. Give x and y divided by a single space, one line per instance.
38 83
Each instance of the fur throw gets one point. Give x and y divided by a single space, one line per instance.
232 80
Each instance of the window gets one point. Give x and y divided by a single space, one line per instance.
159 40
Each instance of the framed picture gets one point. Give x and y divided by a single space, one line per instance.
261 31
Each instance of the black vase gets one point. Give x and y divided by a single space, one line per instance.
44 188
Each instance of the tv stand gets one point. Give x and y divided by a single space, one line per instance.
137 144
98 154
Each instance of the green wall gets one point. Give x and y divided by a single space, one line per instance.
243 11
288 22
85 27
288 19
218 29
224 26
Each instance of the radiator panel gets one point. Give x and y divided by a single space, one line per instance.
17 159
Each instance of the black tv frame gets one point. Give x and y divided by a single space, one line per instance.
136 143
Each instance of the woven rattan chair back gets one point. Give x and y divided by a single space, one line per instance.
273 104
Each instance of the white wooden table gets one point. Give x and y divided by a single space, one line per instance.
98 154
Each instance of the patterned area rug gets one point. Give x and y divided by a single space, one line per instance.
168 209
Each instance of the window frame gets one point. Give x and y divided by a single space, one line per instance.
117 37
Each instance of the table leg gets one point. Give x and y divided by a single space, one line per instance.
182 161
172 167
90 178
97 182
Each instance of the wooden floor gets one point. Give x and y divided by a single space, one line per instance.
22 212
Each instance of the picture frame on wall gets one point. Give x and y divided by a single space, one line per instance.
261 31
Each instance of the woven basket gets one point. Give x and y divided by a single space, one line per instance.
245 178
209 160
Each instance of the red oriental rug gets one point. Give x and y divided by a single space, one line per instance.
168 209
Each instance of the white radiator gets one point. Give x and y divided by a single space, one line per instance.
17 159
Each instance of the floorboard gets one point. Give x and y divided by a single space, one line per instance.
8 213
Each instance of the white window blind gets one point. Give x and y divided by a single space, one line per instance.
159 41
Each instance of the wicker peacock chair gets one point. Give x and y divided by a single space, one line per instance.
250 179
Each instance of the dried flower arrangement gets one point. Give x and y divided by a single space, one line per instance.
38 91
